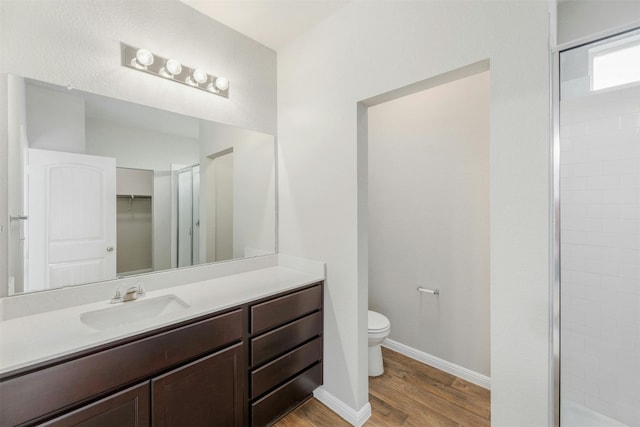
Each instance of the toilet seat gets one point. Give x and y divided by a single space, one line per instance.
377 322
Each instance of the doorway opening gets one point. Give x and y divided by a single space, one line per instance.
423 176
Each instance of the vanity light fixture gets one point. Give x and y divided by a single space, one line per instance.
171 69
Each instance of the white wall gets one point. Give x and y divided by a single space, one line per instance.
221 229
137 182
215 140
429 219
368 48
581 18
254 212
139 148
55 120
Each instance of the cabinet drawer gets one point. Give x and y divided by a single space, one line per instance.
283 339
106 370
128 408
286 397
284 367
279 311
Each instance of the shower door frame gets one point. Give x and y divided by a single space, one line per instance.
555 315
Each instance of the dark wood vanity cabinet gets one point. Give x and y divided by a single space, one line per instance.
285 364
41 392
207 392
246 366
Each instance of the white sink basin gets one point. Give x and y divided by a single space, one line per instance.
133 311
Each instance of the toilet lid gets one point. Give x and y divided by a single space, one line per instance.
377 321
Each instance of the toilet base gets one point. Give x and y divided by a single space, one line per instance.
376 366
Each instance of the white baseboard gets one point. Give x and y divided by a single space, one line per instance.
436 362
353 417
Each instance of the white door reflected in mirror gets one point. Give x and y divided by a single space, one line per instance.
71 219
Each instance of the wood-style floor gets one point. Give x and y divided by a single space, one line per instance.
411 394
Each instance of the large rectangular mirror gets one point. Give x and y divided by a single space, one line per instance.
101 189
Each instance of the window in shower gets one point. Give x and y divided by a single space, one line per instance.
600 234
615 63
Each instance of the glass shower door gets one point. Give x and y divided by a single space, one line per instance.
189 216
600 233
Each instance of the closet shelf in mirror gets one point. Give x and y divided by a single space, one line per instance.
132 196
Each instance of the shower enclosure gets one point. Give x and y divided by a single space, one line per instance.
189 216
597 190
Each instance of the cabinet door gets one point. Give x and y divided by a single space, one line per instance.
128 408
207 392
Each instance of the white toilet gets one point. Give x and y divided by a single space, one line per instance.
379 328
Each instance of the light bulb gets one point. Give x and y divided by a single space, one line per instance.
219 85
199 76
222 83
171 68
143 59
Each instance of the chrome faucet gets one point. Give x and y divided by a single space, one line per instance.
132 294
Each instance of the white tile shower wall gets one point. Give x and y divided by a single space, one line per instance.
600 269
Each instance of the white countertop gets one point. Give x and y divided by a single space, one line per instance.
44 336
